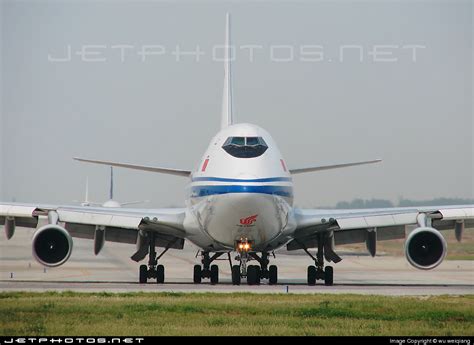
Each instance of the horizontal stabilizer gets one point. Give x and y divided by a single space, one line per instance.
334 166
178 172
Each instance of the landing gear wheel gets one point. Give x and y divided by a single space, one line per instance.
197 277
214 274
252 275
236 275
311 275
272 275
328 276
143 274
259 274
160 274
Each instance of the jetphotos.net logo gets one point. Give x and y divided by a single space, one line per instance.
248 221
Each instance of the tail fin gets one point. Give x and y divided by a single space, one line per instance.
87 191
111 193
227 117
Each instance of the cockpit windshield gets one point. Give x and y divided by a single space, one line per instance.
245 147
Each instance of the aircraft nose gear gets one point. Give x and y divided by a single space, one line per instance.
254 273
207 270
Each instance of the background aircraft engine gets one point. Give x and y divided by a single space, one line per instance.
52 245
425 248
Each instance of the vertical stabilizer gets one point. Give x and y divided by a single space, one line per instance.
86 201
227 117
111 194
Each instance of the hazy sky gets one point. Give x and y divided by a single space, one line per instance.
332 82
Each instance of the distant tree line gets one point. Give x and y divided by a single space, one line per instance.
382 203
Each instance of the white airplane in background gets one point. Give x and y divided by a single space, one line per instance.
240 199
99 236
111 202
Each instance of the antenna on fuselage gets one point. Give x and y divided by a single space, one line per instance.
227 117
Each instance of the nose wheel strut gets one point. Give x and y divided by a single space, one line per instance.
254 273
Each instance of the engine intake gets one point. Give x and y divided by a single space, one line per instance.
425 248
52 245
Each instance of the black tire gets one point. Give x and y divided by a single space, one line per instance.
143 277
214 274
252 275
197 277
311 275
259 274
236 275
328 275
272 275
160 274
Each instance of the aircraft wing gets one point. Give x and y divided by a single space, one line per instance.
369 225
125 225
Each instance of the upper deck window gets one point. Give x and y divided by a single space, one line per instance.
245 147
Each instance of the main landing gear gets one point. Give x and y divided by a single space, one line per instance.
318 271
153 270
207 270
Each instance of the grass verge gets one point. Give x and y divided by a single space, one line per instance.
80 314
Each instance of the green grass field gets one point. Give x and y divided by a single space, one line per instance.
232 314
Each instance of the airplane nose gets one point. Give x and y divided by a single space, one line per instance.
242 215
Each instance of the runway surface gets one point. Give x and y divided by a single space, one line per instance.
113 271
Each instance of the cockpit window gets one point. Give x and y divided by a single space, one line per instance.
250 141
245 147
237 141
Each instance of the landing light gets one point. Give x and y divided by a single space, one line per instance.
243 245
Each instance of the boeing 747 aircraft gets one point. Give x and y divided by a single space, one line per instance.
239 199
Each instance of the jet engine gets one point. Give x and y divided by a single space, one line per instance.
52 245
425 248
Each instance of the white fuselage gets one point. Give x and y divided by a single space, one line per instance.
232 198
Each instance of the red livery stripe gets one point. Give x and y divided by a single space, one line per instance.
204 166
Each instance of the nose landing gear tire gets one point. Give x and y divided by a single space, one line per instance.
236 275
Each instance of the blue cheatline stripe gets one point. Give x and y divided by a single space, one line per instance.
222 179
200 191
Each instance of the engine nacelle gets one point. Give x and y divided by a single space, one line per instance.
425 248
52 245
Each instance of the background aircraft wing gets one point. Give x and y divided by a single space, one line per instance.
364 225
125 225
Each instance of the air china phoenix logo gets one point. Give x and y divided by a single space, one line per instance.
249 220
